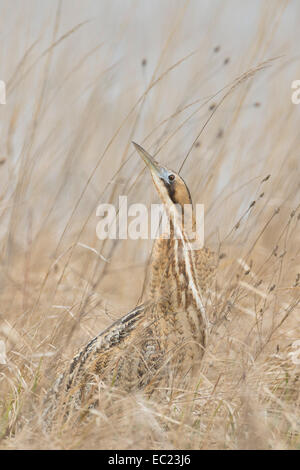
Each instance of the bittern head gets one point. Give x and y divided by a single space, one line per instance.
170 186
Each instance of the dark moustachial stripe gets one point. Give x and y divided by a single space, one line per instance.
171 188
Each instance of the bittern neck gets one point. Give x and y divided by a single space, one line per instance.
174 277
182 221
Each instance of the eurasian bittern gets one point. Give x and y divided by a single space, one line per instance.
169 331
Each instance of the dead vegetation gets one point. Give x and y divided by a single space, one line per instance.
79 89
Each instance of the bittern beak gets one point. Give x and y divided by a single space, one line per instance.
150 162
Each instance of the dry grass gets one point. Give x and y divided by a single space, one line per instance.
168 75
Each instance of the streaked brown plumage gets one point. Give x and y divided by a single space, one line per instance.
166 333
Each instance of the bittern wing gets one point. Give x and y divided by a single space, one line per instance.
97 355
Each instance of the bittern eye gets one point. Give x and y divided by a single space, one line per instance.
171 178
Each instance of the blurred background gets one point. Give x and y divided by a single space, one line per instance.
206 83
